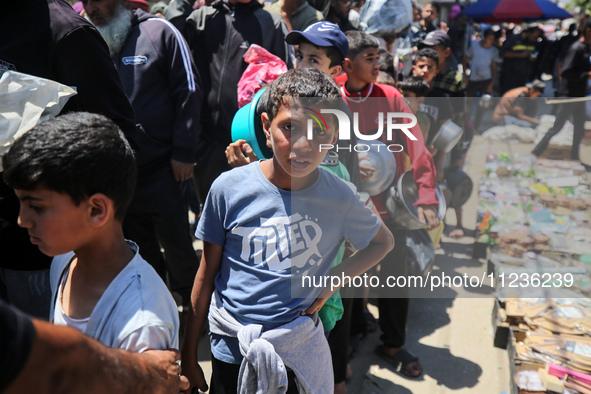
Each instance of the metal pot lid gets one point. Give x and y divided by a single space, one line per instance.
408 192
442 208
447 136
401 200
384 162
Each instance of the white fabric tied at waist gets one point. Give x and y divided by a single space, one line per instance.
299 345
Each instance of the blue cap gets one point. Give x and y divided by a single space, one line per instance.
322 34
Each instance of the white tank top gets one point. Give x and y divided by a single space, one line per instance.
59 316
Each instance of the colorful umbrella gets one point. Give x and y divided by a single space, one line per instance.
516 11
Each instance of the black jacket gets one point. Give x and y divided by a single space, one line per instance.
46 38
219 35
161 81
575 71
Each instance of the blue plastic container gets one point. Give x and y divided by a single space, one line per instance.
247 126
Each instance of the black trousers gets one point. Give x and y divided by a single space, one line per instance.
158 217
393 302
475 90
566 110
224 378
210 165
338 340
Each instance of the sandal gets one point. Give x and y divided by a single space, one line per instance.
401 360
457 233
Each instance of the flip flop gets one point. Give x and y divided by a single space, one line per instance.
457 229
400 361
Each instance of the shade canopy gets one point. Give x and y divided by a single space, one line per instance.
516 11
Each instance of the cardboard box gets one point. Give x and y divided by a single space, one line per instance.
557 152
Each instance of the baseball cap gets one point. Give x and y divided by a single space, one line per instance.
322 34
536 84
142 4
436 37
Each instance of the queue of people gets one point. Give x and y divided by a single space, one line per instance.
97 225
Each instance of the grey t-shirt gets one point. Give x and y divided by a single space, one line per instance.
481 60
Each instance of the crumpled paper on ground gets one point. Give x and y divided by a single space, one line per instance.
25 101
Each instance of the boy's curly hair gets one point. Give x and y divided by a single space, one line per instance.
303 82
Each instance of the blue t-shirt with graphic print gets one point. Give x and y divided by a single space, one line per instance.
271 238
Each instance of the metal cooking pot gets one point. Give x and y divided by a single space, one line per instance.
401 200
460 185
383 161
447 136
485 101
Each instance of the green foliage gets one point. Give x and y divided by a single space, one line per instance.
584 5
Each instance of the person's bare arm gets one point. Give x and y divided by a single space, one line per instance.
559 65
200 298
287 9
64 360
428 214
439 160
465 68
493 73
358 263
522 116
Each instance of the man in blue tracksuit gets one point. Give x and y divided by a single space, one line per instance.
219 35
162 84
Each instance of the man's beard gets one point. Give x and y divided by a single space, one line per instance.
115 32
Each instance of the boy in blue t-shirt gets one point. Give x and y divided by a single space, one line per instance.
267 226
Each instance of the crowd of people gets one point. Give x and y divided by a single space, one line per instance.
95 203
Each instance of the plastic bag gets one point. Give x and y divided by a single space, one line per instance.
421 252
25 101
263 68
380 17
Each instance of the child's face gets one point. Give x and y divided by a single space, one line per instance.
487 41
294 155
308 55
365 66
55 224
425 68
